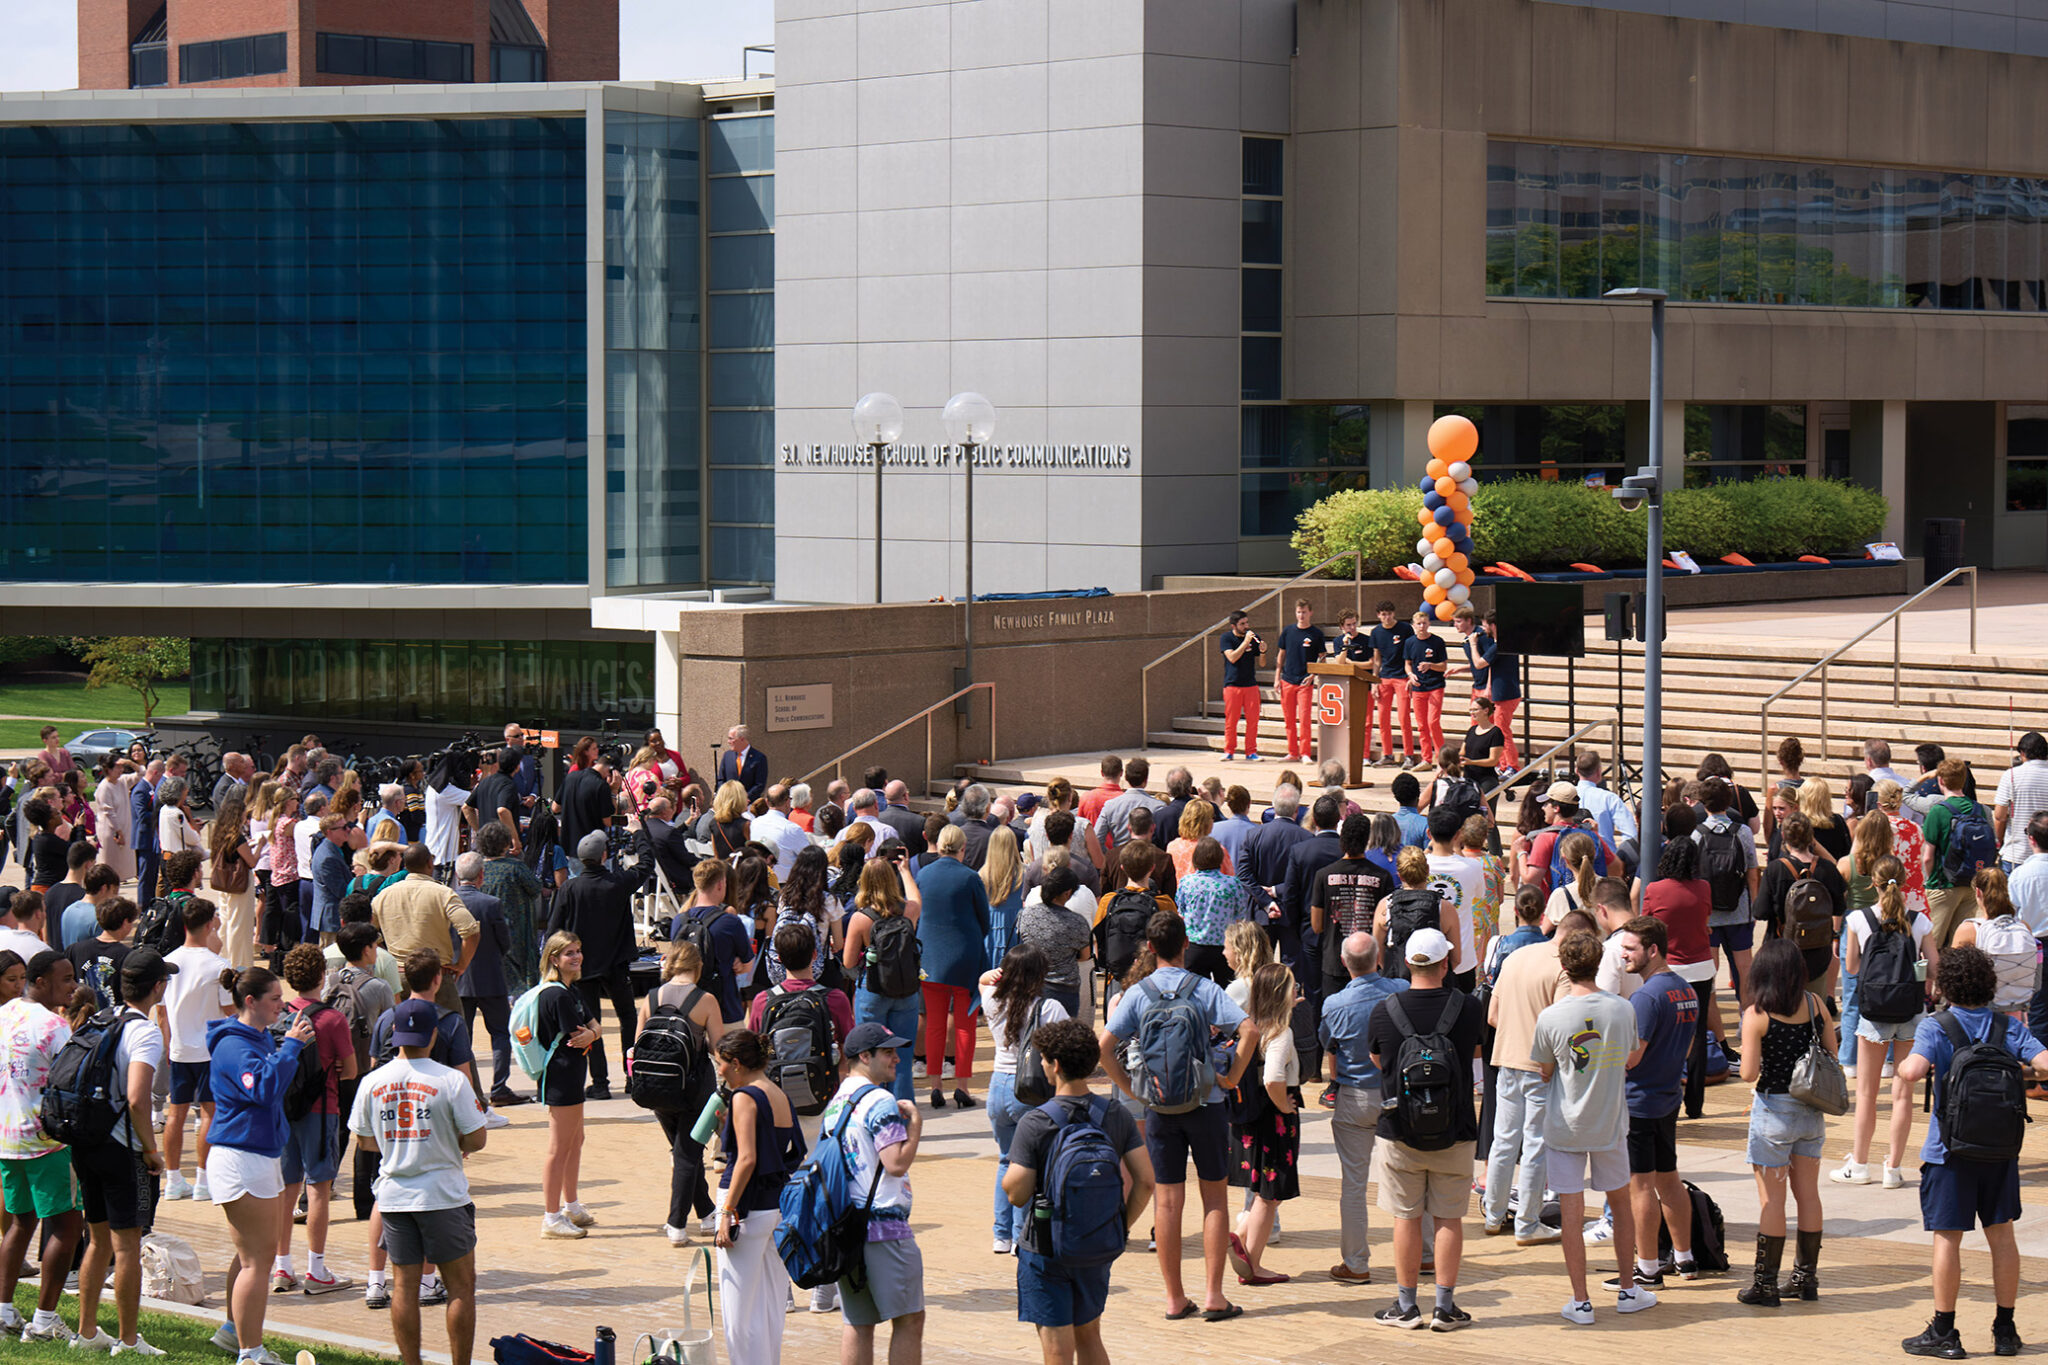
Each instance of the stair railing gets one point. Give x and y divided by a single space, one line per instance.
1534 768
1357 558
837 766
1763 714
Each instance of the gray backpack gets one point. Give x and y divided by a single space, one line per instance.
1174 1073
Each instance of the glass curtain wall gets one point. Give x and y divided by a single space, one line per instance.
1573 222
740 221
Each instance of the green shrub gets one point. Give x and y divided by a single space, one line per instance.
1548 524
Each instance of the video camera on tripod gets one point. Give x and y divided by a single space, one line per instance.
611 746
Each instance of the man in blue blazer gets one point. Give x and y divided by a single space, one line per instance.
743 763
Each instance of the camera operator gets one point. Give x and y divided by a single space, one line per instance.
585 800
1242 649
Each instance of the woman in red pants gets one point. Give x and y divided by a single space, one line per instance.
952 936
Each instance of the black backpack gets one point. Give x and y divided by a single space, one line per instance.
1033 1086
163 923
79 1096
1461 795
1721 863
1709 1232
1409 909
1121 932
671 1059
308 1085
1888 988
695 930
1431 1080
895 958
797 1027
1983 1094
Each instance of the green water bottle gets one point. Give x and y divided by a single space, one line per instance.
708 1122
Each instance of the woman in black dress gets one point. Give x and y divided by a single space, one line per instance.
563 1026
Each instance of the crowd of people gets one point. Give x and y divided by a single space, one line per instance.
1491 992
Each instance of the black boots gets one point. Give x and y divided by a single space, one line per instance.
1805 1279
1763 1287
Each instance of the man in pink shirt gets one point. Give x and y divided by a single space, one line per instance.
796 946
1094 801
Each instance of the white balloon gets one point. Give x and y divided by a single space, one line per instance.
1446 578
1459 594
1460 471
1468 486
1431 562
1422 546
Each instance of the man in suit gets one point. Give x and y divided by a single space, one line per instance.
1264 869
666 843
1180 789
1306 857
482 987
976 824
743 763
149 853
898 816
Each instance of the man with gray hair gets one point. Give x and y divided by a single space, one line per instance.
1180 789
775 830
235 772
482 987
1348 1065
387 825
837 792
1113 825
743 763
976 823
1264 869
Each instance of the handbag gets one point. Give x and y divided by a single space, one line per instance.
229 872
1817 1079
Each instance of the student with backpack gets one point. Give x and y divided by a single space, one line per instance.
1544 863
878 1136
720 935
1803 896
1174 1016
1016 1004
802 1022
1959 844
35 1169
1727 863
1067 1172
1423 1041
1406 912
312 1109
363 998
1888 951
251 1070
1969 1171
884 959
562 1030
2005 939
763 1145
670 1073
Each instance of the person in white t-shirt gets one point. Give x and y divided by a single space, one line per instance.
1611 907
1461 881
35 1172
21 922
421 1119
1880 1043
193 999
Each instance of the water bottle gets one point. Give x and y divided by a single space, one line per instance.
710 1120
607 1348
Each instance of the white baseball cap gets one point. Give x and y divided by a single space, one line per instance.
1427 947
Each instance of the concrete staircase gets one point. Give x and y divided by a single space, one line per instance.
1972 705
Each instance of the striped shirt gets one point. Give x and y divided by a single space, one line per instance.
2024 791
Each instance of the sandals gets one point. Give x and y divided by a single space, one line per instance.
1264 1278
1187 1311
1223 1314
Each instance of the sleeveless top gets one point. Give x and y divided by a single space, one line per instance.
777 1152
1784 1044
1862 890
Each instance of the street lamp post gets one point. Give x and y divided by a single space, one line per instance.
877 425
970 424
1645 488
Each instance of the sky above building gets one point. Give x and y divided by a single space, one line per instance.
658 40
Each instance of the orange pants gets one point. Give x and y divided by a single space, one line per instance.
1240 702
1429 719
1386 693
1504 717
1297 706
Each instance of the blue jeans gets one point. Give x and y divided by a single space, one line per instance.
1851 1012
899 1016
1520 1102
1003 1113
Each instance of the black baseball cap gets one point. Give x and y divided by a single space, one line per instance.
144 967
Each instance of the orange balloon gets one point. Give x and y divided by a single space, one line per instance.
1455 561
1453 438
1445 611
1443 547
1460 505
1464 576
1433 594
1446 486
1436 469
1424 516
1464 517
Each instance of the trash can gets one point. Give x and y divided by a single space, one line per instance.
1941 546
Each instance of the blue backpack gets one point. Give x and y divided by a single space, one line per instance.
1079 1206
1560 875
1174 1072
1971 846
823 1235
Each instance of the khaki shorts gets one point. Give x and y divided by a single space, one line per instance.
1413 1183
1945 911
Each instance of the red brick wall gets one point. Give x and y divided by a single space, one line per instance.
105 29
583 38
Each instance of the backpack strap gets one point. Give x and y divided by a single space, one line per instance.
1953 1027
1452 1007
1399 1014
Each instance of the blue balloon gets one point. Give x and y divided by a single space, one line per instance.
1428 485
1432 501
1445 516
1459 535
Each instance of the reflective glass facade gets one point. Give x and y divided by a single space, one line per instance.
740 218
653 342
1573 222
565 684
344 351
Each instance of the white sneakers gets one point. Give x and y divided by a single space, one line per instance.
1003 1246
1894 1178
677 1237
1851 1172
1634 1300
1578 1312
98 1341
825 1299
10 1319
140 1348
555 1225
1600 1229
53 1330
199 1190
577 1214
494 1119
177 1187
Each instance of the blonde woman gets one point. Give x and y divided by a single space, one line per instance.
886 892
724 826
682 968
564 1029
1907 845
1003 874
2005 938
1246 948
1579 855
1197 819
1269 1146
1817 804
1877 1039
231 864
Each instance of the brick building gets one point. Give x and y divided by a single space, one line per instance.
137 44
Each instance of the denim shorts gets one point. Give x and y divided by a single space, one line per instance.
312 1149
1053 1295
1871 1031
1781 1128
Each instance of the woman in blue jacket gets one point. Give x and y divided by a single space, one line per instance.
249 1075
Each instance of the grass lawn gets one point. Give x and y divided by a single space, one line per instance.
180 1338
107 706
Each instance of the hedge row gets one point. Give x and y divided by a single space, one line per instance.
1539 524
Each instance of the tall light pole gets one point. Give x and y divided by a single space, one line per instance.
877 425
970 424
1645 488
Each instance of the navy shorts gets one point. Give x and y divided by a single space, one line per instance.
1736 938
191 1081
1202 1133
1052 1295
1956 1196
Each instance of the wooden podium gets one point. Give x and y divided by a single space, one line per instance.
1342 712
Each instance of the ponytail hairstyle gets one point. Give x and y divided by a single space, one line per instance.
1991 889
1889 875
251 983
1577 851
1873 843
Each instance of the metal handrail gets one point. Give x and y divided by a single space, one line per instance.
1612 724
837 766
1763 714
1357 558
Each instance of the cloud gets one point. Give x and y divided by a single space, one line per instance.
665 40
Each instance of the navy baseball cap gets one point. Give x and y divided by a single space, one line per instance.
872 1037
413 1023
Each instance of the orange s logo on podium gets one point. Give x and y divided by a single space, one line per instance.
1330 704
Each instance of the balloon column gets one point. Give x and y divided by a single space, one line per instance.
1446 515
